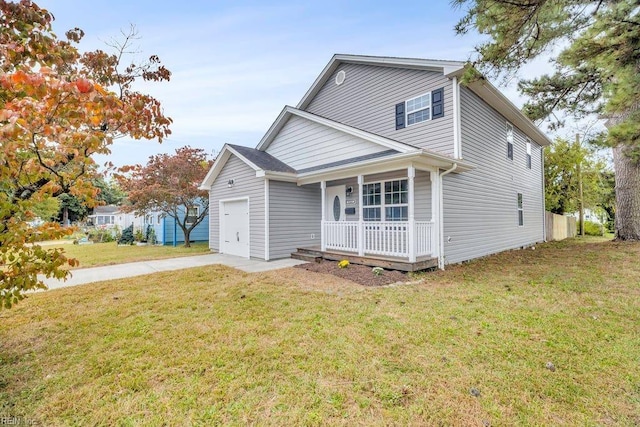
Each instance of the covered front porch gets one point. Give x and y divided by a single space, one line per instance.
387 215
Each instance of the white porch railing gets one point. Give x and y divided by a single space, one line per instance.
341 235
388 238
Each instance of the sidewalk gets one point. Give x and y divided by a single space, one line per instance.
118 271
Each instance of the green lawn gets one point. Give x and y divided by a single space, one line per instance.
214 346
110 253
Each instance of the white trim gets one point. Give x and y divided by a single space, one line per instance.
435 210
411 174
492 96
220 162
441 252
323 200
266 220
422 159
288 111
457 128
444 67
485 90
221 202
361 216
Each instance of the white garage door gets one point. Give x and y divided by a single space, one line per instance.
235 228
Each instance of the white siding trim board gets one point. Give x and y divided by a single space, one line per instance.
266 219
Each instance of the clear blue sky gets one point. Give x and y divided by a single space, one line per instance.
236 64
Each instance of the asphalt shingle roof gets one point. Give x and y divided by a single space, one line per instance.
262 159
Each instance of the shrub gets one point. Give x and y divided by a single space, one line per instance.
344 263
150 235
377 271
591 228
127 236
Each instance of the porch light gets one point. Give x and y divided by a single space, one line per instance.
230 183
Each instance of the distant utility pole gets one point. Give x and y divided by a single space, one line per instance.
581 212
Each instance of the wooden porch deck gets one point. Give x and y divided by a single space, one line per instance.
312 254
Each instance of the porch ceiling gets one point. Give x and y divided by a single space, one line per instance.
420 159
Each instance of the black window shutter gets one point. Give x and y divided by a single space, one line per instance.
400 116
437 103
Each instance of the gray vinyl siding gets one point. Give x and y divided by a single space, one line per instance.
422 191
246 184
294 215
480 206
302 144
367 98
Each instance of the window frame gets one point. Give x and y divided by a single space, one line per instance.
528 153
520 209
383 205
509 135
407 112
186 221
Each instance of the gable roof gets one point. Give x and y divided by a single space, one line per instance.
106 210
262 159
483 88
289 111
259 161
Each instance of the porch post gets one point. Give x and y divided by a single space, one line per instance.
411 174
435 213
361 217
323 191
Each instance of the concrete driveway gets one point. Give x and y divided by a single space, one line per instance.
118 271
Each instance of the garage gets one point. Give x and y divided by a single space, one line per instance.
234 227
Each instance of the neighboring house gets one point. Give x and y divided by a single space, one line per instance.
168 232
110 216
390 159
598 216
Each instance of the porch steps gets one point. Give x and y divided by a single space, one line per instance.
390 263
309 255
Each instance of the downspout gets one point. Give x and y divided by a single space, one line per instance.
441 215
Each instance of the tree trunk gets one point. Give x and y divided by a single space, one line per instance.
187 237
65 216
627 173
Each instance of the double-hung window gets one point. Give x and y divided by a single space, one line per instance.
192 215
520 211
528 154
419 109
386 201
396 200
510 141
372 202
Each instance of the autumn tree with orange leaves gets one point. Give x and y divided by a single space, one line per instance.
58 108
170 184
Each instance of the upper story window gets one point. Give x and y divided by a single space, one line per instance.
509 141
528 153
425 107
419 109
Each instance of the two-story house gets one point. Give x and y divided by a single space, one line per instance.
388 159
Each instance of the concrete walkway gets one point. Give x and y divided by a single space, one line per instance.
132 269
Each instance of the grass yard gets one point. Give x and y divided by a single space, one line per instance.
214 346
110 253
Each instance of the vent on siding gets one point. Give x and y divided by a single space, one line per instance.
340 77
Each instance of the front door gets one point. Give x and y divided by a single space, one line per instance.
335 203
235 232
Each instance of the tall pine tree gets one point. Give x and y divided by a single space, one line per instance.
597 72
